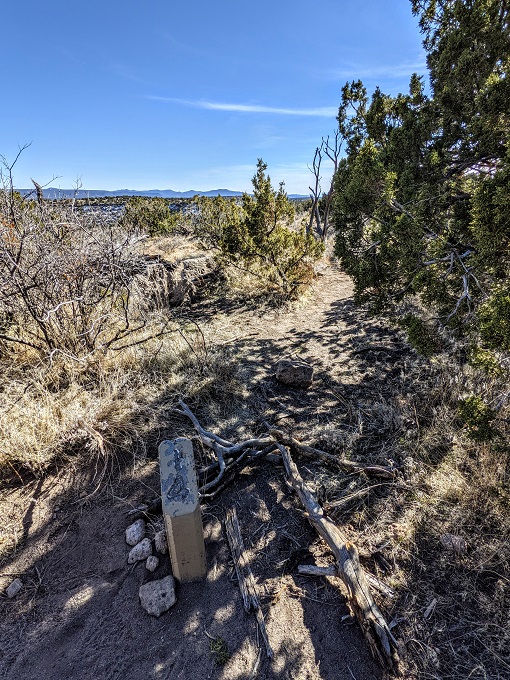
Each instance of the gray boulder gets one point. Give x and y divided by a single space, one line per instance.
135 532
160 542
14 588
141 551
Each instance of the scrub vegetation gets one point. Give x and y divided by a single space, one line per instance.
94 358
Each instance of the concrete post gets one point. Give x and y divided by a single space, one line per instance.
181 509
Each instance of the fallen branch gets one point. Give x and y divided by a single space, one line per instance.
231 457
245 578
94 434
228 455
372 622
345 464
347 498
232 470
313 570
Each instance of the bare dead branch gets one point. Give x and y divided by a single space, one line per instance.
370 619
317 454
244 574
313 570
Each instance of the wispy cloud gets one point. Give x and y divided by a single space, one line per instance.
322 111
389 71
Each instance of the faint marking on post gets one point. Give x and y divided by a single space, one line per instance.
181 509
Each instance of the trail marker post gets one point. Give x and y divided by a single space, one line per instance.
181 509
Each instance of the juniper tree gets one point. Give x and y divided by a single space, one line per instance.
421 198
259 235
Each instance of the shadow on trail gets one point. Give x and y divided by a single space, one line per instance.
79 613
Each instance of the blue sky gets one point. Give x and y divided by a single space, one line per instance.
172 95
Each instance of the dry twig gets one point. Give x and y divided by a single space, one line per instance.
244 575
372 622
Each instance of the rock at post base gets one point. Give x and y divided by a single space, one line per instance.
152 563
160 542
14 588
135 532
157 597
294 373
141 551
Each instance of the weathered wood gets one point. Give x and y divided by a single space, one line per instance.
244 574
370 619
314 570
230 455
96 436
345 464
225 450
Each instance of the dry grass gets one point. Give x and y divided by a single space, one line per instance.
451 607
126 397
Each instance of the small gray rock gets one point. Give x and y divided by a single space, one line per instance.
140 552
152 563
160 542
135 532
453 543
294 373
14 588
157 597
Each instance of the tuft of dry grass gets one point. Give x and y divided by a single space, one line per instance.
451 607
126 397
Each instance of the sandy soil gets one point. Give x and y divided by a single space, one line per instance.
78 615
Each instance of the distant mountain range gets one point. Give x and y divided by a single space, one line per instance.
53 193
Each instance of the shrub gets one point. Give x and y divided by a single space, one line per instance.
421 198
67 279
419 335
494 317
149 215
478 417
486 360
257 234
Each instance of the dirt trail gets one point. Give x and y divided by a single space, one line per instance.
78 615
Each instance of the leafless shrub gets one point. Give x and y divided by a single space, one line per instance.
68 279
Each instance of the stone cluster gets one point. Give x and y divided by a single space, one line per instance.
156 597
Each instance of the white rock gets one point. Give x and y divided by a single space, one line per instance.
160 542
152 563
157 597
14 588
135 532
140 551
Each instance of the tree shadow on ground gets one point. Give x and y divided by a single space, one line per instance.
79 610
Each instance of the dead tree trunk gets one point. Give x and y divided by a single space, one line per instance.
315 193
372 622
332 151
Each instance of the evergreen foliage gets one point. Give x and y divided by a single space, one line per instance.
149 215
258 233
478 417
421 198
